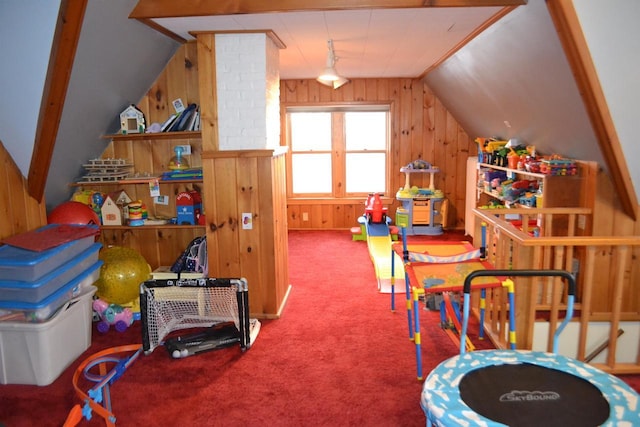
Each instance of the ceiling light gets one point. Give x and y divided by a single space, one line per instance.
329 76
341 81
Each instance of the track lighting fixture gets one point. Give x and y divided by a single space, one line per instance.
329 76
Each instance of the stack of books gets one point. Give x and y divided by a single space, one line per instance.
164 272
187 120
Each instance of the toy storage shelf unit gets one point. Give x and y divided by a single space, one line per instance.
556 190
148 156
424 211
570 189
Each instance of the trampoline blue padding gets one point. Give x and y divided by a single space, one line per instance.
443 403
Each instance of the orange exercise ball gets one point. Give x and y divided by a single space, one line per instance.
73 212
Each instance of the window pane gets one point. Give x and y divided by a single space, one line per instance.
365 173
366 130
311 173
310 131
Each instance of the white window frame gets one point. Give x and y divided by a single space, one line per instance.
338 150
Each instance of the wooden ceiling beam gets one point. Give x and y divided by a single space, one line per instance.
150 9
576 49
63 52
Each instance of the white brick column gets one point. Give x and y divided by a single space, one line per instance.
248 91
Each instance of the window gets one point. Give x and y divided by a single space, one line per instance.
338 152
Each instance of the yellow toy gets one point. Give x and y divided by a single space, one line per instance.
121 274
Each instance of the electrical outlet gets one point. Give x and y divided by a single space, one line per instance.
186 149
247 221
305 216
582 222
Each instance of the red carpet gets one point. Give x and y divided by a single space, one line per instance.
337 357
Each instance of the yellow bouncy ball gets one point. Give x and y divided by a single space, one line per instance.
121 274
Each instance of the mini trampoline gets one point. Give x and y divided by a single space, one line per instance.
522 388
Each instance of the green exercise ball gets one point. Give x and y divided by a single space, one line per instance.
121 274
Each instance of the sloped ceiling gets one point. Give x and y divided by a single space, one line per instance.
508 84
23 71
117 61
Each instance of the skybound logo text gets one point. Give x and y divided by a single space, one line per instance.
529 396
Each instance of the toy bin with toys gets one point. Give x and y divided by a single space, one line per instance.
37 353
41 311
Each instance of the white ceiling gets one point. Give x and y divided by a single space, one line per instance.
368 42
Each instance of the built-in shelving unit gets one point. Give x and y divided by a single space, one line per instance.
156 136
557 191
150 154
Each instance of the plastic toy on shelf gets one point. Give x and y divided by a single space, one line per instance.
178 162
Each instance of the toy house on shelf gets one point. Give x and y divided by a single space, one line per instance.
132 120
112 207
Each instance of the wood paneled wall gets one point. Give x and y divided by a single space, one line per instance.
178 80
248 181
610 219
421 128
20 212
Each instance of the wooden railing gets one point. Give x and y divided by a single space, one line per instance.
607 279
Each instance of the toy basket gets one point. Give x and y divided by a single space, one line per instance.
558 167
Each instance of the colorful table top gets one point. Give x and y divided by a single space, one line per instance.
443 266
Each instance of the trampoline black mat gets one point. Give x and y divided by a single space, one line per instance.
522 395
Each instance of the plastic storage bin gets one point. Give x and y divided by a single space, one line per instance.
28 266
43 310
15 290
37 353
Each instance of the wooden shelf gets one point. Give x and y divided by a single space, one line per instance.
559 191
151 152
154 136
495 196
410 170
135 182
515 171
148 227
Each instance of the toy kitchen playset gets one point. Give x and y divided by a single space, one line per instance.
424 210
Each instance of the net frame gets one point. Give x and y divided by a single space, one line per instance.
171 305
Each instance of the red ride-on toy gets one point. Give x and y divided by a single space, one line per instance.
374 211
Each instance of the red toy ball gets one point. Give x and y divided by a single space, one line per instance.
73 213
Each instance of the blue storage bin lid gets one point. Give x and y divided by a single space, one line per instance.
18 305
19 284
13 256
17 263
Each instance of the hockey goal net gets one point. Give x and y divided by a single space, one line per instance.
220 305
